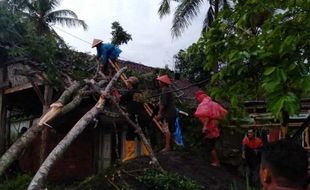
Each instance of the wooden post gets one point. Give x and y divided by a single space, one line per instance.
107 150
3 131
48 94
3 73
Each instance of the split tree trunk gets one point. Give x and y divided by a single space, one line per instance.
25 140
58 151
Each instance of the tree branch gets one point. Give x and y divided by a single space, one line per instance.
25 140
58 151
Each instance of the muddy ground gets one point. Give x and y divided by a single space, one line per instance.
189 165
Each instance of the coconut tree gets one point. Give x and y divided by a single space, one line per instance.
186 10
43 14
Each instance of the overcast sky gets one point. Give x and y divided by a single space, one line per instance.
152 43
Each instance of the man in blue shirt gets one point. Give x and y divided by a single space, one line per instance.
106 51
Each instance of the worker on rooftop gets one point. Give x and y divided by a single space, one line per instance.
106 51
167 110
134 101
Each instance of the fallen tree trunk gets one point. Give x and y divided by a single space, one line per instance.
58 151
24 141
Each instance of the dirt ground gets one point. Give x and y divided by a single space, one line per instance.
189 165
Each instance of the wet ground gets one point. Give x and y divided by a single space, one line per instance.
189 165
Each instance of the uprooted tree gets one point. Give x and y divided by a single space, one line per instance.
58 151
67 102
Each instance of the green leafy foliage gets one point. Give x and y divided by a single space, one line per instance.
190 64
42 13
168 181
185 11
54 76
41 48
261 50
19 183
119 36
11 28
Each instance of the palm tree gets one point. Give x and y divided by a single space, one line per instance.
43 14
187 10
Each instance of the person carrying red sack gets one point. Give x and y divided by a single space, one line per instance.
209 112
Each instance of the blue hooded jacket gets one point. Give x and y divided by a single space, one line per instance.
107 51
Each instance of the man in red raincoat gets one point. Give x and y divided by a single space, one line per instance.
209 112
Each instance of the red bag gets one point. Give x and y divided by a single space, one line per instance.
210 109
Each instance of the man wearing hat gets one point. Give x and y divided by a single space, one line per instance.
106 51
167 110
134 101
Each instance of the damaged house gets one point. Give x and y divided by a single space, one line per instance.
27 90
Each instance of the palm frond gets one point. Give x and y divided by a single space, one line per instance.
54 3
208 20
229 4
183 15
70 22
164 8
44 7
62 13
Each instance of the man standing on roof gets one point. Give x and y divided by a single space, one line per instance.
134 100
251 152
167 110
106 51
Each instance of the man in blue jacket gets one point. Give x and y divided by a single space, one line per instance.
106 51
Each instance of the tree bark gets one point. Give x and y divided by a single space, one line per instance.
24 141
58 151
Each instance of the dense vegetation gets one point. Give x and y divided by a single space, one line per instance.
257 50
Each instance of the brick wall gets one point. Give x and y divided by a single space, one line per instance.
75 164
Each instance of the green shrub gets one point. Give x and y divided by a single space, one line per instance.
19 183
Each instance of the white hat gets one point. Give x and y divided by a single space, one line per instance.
96 42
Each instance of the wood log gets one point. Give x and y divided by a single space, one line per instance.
25 140
58 151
